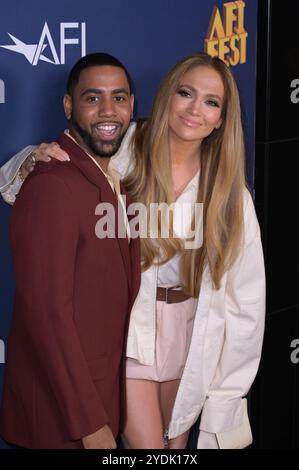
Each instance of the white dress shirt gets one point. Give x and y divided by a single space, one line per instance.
169 273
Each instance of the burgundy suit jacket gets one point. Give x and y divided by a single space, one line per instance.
73 297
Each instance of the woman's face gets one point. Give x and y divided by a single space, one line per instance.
196 107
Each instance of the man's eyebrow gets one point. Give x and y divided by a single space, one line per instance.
120 90
97 91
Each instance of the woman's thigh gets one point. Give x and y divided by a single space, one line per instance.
168 392
144 421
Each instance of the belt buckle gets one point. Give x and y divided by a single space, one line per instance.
166 298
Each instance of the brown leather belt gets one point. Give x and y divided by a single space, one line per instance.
171 296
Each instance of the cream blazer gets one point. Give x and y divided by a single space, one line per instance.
226 343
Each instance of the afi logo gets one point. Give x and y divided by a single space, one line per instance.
227 39
45 49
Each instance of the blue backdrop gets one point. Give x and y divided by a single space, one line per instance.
40 41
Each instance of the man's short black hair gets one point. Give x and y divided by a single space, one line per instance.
94 60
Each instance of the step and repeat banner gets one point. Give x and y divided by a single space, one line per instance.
40 41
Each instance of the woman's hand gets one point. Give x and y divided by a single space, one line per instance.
45 152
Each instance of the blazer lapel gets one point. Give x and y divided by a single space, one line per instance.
134 252
95 176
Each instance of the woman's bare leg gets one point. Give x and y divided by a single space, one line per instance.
168 391
179 442
144 422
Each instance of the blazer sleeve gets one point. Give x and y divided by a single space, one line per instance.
44 235
123 160
225 411
10 184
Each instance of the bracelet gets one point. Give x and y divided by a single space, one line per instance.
33 160
29 165
30 162
20 176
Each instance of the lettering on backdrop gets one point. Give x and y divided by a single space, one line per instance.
227 38
44 49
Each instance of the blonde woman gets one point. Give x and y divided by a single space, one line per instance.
196 329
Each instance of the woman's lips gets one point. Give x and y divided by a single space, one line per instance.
190 123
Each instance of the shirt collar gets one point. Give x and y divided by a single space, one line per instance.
194 182
112 175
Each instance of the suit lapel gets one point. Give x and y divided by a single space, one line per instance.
134 249
95 176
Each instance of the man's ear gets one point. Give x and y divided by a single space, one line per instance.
68 106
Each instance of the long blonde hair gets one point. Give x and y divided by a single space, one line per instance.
221 185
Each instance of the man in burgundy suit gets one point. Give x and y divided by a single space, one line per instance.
74 290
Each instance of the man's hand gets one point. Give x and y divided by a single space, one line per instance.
101 439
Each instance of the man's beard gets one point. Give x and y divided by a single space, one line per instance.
101 148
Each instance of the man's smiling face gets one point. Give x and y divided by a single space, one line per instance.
100 109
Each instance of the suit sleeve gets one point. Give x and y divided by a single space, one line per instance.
10 184
224 412
44 234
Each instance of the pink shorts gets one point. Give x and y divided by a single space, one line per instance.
174 324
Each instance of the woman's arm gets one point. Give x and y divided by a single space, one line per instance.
225 411
16 170
10 180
